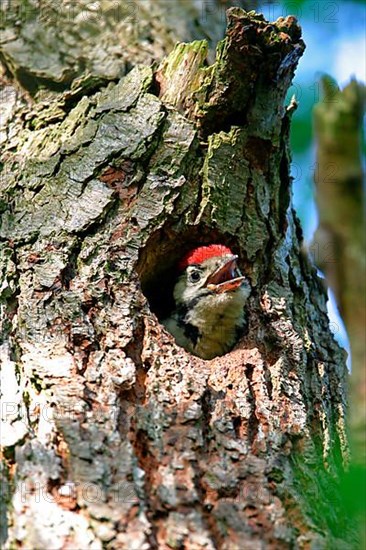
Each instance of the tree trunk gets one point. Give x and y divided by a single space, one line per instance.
114 437
339 242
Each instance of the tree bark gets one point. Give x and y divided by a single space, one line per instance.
114 437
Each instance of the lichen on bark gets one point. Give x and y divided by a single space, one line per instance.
130 441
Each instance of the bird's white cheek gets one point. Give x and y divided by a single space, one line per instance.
184 293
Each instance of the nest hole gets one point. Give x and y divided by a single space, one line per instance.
157 265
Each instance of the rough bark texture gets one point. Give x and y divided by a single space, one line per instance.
49 44
114 436
340 238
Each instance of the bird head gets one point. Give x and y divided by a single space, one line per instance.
210 295
209 274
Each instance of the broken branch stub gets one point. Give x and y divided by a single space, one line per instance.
254 66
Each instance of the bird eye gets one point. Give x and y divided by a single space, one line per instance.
194 276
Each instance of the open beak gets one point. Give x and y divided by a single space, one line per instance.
226 278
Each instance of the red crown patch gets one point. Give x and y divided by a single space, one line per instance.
199 255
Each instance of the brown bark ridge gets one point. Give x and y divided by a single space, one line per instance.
339 243
113 436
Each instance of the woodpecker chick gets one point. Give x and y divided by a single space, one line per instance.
209 295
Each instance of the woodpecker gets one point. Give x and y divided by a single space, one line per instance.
209 295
